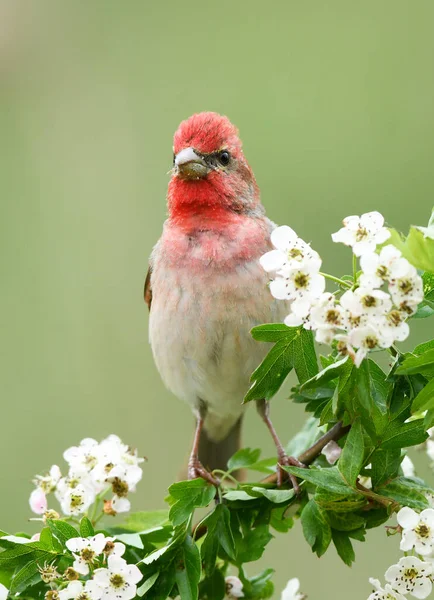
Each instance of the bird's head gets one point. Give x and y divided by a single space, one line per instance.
209 168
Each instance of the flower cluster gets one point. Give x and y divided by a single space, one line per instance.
94 468
413 574
365 317
112 578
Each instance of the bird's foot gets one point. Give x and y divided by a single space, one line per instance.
288 461
196 470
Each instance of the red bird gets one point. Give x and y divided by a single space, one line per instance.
208 289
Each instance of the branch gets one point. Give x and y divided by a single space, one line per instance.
308 456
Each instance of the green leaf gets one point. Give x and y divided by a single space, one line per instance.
46 539
189 495
62 530
276 496
272 332
329 479
425 398
86 528
188 572
416 248
218 534
351 459
234 495
213 587
304 355
260 586
243 459
315 528
403 491
344 521
403 435
141 522
304 438
384 465
146 586
343 546
272 372
251 545
416 364
330 373
26 576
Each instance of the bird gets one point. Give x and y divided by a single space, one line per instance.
206 290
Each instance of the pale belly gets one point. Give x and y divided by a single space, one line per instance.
200 335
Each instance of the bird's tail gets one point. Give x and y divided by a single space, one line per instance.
215 455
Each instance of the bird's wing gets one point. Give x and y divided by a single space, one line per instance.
147 292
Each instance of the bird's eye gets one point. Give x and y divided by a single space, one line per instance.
174 156
224 158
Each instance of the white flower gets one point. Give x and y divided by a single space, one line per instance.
291 251
418 530
17 539
80 590
332 452
83 457
48 483
3 592
76 500
234 587
368 338
362 233
386 266
325 316
119 581
411 575
407 291
303 284
38 501
291 591
366 301
430 448
386 593
85 551
407 466
113 548
395 323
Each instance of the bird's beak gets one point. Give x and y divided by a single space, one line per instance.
189 165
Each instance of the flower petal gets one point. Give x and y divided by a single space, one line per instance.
407 518
282 237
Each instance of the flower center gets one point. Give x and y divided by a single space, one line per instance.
369 301
382 271
354 320
120 488
82 596
361 234
87 554
333 316
301 280
394 317
342 347
109 547
422 531
108 467
117 581
295 253
411 573
370 341
90 461
405 286
76 501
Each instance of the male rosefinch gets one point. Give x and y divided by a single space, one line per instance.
208 289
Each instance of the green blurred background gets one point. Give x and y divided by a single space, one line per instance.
334 101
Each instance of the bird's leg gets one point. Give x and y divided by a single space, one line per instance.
263 408
195 467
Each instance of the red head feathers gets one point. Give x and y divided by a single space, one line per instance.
210 171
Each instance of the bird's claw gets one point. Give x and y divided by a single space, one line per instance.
196 470
288 461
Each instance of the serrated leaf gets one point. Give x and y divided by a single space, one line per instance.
384 465
329 479
403 435
140 522
272 332
86 528
304 356
189 495
330 373
402 490
251 545
344 521
244 458
218 534
62 530
416 248
315 528
25 577
188 572
260 586
416 364
276 496
425 398
234 495
343 546
351 459
213 587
